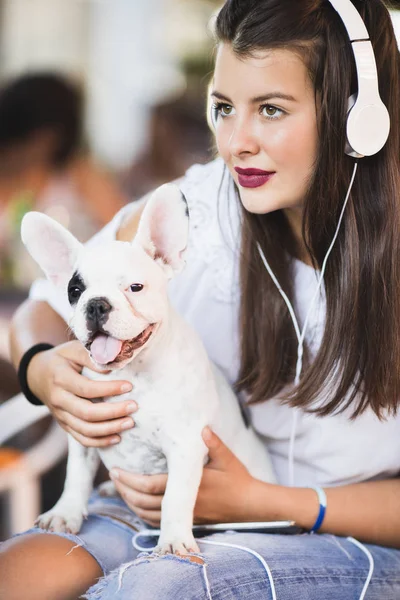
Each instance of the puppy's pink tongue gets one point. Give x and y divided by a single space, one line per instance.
105 348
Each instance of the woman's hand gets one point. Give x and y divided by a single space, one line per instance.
225 492
54 376
226 488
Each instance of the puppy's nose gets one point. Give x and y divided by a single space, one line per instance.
97 310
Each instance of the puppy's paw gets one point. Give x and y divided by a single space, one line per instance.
107 490
66 521
176 545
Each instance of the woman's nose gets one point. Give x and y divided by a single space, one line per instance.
243 139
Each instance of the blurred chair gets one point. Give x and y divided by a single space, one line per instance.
21 471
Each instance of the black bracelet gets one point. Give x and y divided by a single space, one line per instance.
23 370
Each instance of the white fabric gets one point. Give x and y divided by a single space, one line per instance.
328 451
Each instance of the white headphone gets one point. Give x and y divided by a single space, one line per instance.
368 121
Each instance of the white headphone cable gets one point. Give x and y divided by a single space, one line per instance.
371 565
301 335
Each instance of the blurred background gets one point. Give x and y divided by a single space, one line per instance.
100 101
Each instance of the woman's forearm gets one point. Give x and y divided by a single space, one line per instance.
369 512
35 322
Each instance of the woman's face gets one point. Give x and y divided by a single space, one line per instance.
266 121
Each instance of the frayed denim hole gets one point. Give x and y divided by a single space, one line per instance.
146 557
96 592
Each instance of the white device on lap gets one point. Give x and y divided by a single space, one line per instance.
277 527
265 526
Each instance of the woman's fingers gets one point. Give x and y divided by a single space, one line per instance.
93 411
79 385
142 493
88 442
96 429
138 500
146 484
54 376
151 517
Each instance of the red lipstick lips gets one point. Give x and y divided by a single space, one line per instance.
252 178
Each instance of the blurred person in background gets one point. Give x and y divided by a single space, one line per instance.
45 166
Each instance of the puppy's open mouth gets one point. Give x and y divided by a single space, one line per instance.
106 349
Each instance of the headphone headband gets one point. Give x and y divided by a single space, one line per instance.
368 121
351 19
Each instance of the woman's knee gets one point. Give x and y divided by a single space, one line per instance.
42 567
150 577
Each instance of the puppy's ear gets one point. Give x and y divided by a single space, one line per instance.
163 227
53 247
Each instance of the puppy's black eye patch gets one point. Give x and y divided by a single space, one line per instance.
76 287
136 287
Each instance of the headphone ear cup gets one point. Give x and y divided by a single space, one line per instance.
367 127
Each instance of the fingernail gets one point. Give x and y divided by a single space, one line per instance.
114 474
207 435
115 440
132 406
127 424
126 387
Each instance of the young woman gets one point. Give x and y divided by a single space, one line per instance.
283 75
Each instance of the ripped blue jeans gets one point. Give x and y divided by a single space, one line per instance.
274 567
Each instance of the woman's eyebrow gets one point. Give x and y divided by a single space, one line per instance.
257 99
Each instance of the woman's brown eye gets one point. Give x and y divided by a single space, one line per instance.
271 112
226 109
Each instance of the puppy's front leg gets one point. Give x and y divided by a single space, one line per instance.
185 469
68 513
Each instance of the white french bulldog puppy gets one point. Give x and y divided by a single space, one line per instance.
122 315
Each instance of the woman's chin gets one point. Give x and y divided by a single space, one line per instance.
258 202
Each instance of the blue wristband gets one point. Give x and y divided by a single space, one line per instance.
322 508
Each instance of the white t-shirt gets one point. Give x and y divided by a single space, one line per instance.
329 450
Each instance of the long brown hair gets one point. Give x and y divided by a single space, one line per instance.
358 362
